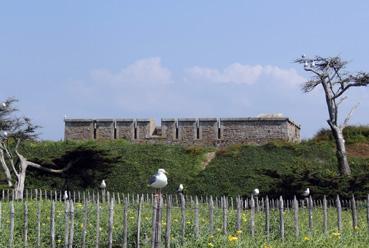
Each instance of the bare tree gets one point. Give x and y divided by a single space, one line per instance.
330 73
14 130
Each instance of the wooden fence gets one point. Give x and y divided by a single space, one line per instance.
161 232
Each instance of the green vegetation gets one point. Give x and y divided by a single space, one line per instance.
348 237
276 168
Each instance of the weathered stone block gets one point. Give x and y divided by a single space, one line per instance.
79 129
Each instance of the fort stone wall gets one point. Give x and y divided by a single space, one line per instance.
104 129
79 129
186 131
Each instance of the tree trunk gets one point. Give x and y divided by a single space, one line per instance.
340 150
19 187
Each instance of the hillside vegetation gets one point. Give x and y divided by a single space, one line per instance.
275 168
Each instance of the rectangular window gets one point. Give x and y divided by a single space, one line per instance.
135 133
219 133
177 132
198 132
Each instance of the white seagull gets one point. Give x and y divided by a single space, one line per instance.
256 192
103 184
159 180
65 195
180 189
4 104
306 192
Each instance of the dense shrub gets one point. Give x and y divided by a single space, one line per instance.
275 168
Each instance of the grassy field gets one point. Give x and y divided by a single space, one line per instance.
348 237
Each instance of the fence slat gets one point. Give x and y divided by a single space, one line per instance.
71 227
52 224
339 214
225 213
196 218
211 215
97 240
66 224
111 222
139 213
125 222
252 216
325 216
354 212
168 222
11 237
183 218
310 211
85 219
296 217
281 218
267 218
25 224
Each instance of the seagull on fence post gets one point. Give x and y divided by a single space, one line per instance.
65 196
306 192
159 180
180 189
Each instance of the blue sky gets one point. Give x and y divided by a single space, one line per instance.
176 58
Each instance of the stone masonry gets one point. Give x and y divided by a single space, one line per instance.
186 131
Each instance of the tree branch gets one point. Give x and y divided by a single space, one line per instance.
40 167
5 168
348 117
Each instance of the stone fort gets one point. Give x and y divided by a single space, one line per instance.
186 131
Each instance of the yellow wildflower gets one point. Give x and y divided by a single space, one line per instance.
306 238
238 232
59 241
210 244
267 246
232 238
188 222
336 234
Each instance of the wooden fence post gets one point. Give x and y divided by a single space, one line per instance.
111 222
252 216
225 213
296 216
38 217
183 218
97 222
139 213
52 224
25 224
211 215
310 210
267 218
168 222
339 214
238 213
125 222
281 218
196 221
153 233
71 228
85 219
367 210
354 212
325 215
11 237
66 230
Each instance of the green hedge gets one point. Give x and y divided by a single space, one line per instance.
276 168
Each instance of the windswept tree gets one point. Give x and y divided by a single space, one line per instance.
330 74
14 130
